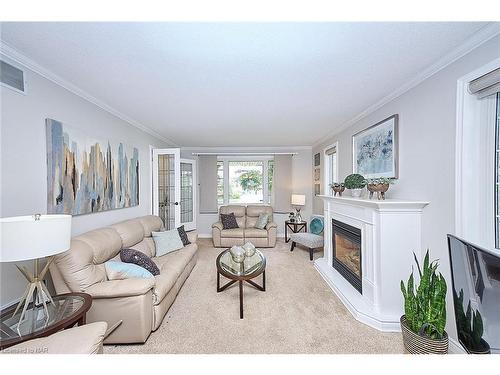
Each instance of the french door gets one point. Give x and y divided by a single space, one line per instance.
187 203
174 187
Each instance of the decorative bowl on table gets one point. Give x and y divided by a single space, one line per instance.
249 249
237 253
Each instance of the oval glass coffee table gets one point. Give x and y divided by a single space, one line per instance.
249 269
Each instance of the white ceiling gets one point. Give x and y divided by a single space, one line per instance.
235 84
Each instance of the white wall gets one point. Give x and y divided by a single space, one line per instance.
427 123
23 158
301 181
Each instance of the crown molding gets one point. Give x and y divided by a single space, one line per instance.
269 149
32 65
483 35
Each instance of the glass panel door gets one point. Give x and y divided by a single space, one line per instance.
188 194
166 186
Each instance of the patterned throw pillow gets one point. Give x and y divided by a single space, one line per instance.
183 235
119 271
262 221
229 221
141 259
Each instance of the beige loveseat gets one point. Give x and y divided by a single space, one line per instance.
140 303
246 217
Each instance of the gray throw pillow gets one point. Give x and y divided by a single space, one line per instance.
167 241
262 221
229 221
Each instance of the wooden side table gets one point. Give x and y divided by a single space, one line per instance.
66 311
295 227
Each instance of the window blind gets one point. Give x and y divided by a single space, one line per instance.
486 85
282 182
207 172
331 150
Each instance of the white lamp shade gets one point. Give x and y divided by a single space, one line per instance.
298 200
24 238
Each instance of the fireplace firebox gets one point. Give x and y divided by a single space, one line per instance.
346 245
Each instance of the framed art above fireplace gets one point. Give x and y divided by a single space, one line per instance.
375 150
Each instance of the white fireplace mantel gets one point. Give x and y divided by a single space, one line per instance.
390 234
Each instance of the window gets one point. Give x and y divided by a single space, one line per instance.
331 174
242 181
497 174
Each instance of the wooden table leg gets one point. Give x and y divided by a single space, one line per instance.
241 299
264 281
286 233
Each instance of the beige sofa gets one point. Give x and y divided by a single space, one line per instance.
140 303
246 217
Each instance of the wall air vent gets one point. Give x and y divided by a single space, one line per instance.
12 77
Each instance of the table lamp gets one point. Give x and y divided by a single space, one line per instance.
32 238
298 200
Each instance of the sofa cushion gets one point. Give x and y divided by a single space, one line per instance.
232 233
146 246
150 223
171 266
139 258
239 213
130 232
229 221
167 241
255 233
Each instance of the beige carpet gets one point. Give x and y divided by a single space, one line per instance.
298 313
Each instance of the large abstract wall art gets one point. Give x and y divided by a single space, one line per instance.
375 150
86 175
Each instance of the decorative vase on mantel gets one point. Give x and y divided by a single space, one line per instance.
356 193
379 186
337 188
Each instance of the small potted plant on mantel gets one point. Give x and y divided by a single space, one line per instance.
424 320
337 188
355 182
378 185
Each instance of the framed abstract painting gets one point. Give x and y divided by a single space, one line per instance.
86 175
375 150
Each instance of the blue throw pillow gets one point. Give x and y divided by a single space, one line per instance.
167 241
119 270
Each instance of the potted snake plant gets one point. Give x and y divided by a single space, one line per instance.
424 320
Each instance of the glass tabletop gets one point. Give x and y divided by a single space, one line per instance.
247 267
35 319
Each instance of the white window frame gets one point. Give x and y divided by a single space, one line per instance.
327 169
475 163
265 178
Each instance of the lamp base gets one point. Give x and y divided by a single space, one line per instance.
298 216
36 291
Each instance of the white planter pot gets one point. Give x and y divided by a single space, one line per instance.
356 193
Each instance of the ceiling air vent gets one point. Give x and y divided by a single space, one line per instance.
11 77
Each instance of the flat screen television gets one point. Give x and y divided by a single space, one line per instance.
476 295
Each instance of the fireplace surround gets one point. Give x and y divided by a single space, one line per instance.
388 231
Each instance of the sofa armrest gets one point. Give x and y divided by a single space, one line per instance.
86 339
121 288
218 225
271 225
192 236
